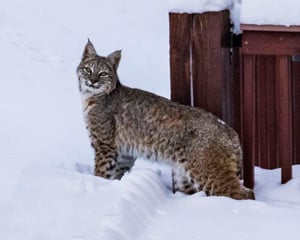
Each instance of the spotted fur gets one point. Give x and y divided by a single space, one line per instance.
126 123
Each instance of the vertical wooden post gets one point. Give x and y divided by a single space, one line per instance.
296 109
284 116
180 67
249 118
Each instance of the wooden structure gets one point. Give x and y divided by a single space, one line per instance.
196 78
270 106
255 87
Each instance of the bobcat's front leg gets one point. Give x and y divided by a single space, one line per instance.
109 164
106 161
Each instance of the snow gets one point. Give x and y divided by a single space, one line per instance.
47 189
276 12
267 12
200 6
55 203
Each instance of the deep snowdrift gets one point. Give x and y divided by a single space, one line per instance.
56 203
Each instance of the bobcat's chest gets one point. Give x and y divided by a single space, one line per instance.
88 105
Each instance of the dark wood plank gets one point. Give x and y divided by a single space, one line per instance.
261 112
284 116
180 62
272 159
248 119
271 43
210 62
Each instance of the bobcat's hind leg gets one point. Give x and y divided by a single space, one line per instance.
182 182
220 177
234 190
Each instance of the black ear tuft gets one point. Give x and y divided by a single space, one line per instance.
115 58
89 50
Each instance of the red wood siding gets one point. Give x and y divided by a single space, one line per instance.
266 125
199 77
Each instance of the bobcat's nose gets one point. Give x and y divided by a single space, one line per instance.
94 80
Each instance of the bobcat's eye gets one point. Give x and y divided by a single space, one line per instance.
103 74
88 70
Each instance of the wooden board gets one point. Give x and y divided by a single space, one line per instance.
270 43
210 61
284 116
269 28
248 119
180 63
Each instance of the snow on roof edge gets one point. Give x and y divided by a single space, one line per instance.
199 6
270 12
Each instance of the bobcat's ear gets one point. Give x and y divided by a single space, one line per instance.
89 50
114 58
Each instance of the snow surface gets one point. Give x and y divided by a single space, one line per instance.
47 190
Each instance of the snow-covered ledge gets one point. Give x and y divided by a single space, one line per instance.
199 6
270 12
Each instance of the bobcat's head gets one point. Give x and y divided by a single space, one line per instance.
97 75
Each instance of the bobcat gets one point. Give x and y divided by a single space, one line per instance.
125 123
